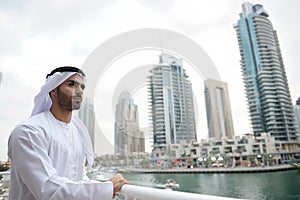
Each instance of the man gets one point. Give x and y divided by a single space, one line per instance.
49 150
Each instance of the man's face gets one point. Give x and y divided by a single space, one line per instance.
70 92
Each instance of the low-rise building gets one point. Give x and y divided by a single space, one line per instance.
239 150
245 150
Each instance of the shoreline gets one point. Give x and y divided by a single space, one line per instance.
213 170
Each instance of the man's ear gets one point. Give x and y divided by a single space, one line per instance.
52 93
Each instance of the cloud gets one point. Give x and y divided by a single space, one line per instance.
161 6
16 95
36 36
10 37
54 15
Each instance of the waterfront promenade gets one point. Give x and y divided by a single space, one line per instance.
215 170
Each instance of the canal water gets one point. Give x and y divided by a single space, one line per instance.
283 185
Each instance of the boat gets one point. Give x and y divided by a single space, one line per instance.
171 183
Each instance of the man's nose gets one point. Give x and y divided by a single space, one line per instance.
79 90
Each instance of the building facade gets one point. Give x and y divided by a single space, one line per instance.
128 137
297 114
171 102
87 115
264 75
218 110
243 148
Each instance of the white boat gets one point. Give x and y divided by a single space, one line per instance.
171 183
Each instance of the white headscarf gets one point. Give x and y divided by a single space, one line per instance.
43 102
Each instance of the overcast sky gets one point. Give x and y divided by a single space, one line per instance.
37 36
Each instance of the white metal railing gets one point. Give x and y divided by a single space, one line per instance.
132 192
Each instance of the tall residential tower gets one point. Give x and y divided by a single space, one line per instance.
128 137
264 75
87 116
218 110
297 113
172 107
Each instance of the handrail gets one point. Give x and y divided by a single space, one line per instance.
5 173
132 192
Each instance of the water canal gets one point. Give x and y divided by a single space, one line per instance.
267 185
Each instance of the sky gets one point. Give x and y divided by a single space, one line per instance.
38 36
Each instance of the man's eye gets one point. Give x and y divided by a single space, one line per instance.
82 87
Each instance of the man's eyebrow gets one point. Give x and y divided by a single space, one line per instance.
75 82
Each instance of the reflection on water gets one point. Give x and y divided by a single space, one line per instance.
271 185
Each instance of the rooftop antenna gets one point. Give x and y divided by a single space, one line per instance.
161 49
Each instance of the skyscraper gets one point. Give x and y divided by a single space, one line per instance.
87 115
264 75
171 99
128 137
218 110
297 113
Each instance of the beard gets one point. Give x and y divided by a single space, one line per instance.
68 102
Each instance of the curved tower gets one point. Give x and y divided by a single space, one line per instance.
265 79
172 107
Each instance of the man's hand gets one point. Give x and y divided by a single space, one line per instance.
118 181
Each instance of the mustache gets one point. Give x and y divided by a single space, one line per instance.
77 97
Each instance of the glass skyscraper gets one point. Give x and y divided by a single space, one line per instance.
172 107
264 75
218 110
297 113
128 137
87 116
